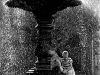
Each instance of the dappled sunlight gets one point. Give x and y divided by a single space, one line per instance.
16 44
5 7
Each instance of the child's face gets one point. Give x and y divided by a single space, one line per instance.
65 56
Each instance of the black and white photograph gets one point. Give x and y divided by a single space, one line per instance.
49 37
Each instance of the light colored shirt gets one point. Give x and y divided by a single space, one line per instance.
66 64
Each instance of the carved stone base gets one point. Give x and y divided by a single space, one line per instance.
44 68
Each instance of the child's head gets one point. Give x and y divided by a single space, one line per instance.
51 52
65 54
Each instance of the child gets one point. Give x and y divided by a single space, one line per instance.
55 60
66 64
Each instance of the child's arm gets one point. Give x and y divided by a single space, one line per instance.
59 64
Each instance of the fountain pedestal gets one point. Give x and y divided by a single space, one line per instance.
42 67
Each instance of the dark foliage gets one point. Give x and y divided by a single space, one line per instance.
74 41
